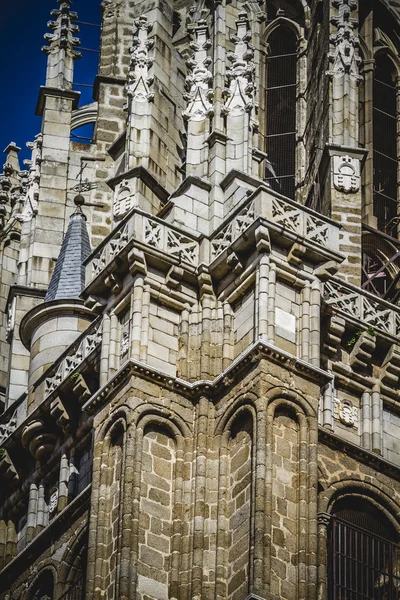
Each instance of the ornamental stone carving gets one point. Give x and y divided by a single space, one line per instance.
346 413
30 207
346 174
240 76
343 57
199 81
61 52
53 502
140 80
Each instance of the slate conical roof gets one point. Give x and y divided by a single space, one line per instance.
68 279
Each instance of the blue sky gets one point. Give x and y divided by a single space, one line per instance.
22 26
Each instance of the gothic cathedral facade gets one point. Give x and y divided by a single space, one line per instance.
200 318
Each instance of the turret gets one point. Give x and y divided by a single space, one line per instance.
48 329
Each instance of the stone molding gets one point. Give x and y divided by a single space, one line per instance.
207 388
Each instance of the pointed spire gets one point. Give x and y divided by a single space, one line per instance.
61 53
68 279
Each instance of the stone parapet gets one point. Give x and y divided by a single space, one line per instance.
362 308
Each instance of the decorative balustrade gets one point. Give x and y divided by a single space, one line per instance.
8 424
78 352
290 215
148 230
362 306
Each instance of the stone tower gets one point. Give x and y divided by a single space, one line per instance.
199 351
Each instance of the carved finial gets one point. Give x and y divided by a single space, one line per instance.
140 80
240 77
199 80
344 57
60 52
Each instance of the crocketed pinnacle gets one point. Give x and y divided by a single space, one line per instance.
68 279
61 51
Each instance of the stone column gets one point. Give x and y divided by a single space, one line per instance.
323 525
271 303
105 350
136 316
263 297
376 419
229 342
315 323
200 491
32 513
366 420
41 520
127 571
63 483
144 342
327 406
305 322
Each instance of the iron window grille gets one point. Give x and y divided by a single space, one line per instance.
363 565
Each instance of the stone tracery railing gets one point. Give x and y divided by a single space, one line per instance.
149 230
155 232
362 306
8 424
77 354
292 216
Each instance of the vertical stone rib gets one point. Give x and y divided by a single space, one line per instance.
312 504
271 303
32 513
366 420
144 342
200 492
263 297
113 360
315 351
136 312
228 342
105 350
126 515
63 483
377 414
221 567
177 516
305 322
259 503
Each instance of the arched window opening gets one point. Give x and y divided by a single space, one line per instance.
385 146
281 111
84 134
381 249
291 9
365 559
44 587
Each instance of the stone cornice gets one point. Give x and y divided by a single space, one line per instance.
187 182
39 544
367 457
106 79
55 93
50 310
22 290
209 388
145 176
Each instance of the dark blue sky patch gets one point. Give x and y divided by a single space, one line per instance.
22 26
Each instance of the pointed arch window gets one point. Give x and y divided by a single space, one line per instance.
280 104
379 126
385 145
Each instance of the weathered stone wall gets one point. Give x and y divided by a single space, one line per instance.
156 511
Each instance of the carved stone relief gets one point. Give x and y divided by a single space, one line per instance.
346 174
346 413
